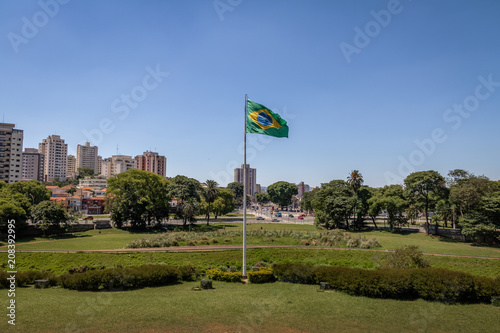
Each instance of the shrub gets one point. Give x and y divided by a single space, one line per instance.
218 275
426 283
122 278
295 273
409 256
263 275
188 273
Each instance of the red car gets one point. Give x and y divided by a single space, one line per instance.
300 217
88 218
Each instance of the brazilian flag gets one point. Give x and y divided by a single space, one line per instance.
261 120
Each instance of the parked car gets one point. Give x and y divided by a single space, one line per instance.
260 218
290 215
278 214
300 217
90 218
275 220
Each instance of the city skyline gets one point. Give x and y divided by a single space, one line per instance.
383 87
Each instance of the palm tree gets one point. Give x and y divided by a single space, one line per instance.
355 180
210 193
189 209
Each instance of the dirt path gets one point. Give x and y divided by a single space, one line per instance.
235 247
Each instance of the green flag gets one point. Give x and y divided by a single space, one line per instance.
261 120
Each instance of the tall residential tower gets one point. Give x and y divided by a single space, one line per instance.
11 153
56 153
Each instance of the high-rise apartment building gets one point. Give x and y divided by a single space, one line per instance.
303 188
86 157
33 163
251 178
55 151
71 167
11 153
152 162
99 165
117 164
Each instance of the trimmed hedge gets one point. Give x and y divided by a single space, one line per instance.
25 278
218 275
263 275
426 283
122 278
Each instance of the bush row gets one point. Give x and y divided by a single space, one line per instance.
328 238
263 275
124 278
426 283
24 278
219 275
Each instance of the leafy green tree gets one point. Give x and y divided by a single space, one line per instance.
482 222
281 193
375 204
421 186
185 189
85 172
262 198
10 210
392 199
237 189
48 214
456 175
477 226
224 204
362 206
444 211
140 197
307 199
209 192
466 194
333 203
33 190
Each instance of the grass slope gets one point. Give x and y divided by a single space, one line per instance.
59 263
118 239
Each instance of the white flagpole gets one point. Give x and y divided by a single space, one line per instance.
244 273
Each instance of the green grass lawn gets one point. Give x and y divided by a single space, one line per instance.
234 307
118 239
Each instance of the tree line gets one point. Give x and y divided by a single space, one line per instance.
463 200
23 201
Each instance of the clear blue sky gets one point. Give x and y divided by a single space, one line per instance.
352 100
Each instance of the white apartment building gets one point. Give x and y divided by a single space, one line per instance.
97 183
56 152
117 164
86 156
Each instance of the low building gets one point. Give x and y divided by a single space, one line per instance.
95 183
